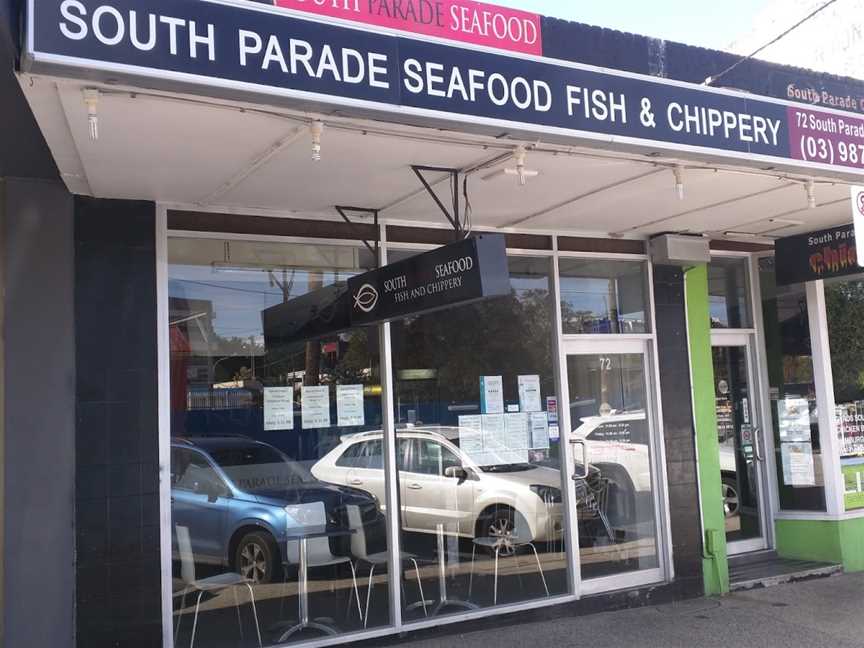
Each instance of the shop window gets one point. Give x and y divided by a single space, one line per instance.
729 293
609 415
603 296
844 305
789 356
475 404
262 409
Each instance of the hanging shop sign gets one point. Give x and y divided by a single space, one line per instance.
857 196
461 20
460 273
816 255
251 50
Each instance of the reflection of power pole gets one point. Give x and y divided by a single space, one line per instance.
313 347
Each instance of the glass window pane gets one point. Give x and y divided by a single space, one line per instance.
603 296
729 293
608 413
482 473
793 393
844 304
265 418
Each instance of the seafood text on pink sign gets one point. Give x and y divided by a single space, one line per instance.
462 20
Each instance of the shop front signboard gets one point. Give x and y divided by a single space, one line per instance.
258 52
460 273
816 255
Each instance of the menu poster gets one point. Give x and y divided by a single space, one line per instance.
517 437
471 436
529 393
793 416
798 467
539 431
315 407
849 425
492 426
491 395
349 405
278 408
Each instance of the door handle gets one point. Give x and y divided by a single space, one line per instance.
582 443
355 482
757 444
415 486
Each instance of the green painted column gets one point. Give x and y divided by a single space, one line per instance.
715 567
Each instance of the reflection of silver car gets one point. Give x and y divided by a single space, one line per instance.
442 485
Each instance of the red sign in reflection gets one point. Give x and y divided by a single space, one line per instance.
462 20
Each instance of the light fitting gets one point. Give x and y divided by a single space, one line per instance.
810 188
91 99
317 128
520 155
678 172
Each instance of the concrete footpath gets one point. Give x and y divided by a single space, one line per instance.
820 612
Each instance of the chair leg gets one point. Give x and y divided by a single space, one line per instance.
254 614
495 595
356 591
420 587
368 596
180 616
471 576
237 607
539 567
195 620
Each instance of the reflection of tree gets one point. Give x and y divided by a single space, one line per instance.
354 366
505 336
845 307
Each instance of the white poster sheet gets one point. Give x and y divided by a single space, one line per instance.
471 437
798 469
529 393
491 394
516 437
539 431
793 415
349 405
315 407
278 408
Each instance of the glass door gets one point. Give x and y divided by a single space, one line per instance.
741 446
611 424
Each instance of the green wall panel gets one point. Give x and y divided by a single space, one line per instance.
834 541
714 565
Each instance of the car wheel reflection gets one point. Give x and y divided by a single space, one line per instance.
255 558
730 498
499 524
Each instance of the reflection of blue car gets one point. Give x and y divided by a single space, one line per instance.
232 493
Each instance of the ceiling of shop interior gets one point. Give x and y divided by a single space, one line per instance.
186 151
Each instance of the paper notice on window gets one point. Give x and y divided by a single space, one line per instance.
471 436
494 448
539 431
349 405
491 395
315 407
278 408
793 415
798 467
529 393
517 437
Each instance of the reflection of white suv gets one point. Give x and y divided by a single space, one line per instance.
441 485
618 446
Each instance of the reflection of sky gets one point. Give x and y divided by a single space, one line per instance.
239 296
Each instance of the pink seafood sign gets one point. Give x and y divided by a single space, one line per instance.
827 138
461 20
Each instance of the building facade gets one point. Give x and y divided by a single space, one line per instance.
328 322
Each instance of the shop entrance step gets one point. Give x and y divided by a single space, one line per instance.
766 568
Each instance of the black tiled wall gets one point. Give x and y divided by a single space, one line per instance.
117 479
679 434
